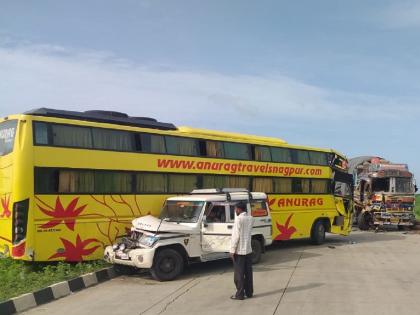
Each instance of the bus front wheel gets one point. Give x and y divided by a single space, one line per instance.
318 233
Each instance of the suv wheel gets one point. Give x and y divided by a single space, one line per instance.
256 250
167 265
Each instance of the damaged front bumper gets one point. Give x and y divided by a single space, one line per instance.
394 218
139 257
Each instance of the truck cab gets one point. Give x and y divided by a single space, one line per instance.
191 228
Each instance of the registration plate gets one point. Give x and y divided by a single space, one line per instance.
122 255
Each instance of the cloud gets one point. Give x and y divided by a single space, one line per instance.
400 15
34 76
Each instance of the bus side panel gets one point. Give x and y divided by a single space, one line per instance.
6 203
77 228
294 215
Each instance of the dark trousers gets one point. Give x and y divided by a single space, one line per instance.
243 275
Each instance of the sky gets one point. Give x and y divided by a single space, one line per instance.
329 73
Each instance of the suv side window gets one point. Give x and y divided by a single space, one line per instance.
216 213
232 209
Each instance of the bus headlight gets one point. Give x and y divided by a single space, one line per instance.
148 240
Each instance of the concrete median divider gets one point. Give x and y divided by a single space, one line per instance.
55 291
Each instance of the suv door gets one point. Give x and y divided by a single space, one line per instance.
217 230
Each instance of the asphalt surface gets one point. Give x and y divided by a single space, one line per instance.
365 273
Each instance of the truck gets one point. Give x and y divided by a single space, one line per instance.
384 193
191 228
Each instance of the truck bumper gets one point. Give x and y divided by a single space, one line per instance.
139 258
394 218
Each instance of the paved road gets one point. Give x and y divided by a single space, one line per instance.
366 273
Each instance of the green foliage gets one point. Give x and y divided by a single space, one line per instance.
418 207
18 277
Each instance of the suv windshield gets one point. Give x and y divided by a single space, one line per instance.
181 211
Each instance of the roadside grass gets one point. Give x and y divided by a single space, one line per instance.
418 206
19 277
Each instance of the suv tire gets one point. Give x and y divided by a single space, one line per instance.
167 265
256 250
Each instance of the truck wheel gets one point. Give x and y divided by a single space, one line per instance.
256 250
363 221
167 265
318 233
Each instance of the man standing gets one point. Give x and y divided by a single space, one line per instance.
241 252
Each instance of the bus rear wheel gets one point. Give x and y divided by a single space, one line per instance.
318 233
168 264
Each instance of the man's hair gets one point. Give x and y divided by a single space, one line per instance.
241 205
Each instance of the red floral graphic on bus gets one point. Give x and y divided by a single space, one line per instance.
5 203
60 214
75 252
285 230
18 250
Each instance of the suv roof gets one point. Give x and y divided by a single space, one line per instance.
221 196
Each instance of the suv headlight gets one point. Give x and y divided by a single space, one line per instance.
148 240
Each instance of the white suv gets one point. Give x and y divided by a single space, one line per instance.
191 228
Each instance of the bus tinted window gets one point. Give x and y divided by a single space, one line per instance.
75 181
237 151
7 136
262 154
181 183
46 180
301 157
262 184
222 181
71 136
152 143
318 158
281 155
113 140
113 182
301 185
41 133
181 146
214 149
320 186
282 185
151 183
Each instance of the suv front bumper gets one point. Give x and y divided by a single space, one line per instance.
139 258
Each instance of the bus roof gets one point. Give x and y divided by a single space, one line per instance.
103 116
232 135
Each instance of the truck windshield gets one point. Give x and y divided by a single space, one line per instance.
181 211
380 184
7 136
403 185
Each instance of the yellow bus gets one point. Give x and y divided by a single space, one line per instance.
71 182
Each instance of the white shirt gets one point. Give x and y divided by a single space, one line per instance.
240 243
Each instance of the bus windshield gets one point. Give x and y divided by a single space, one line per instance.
181 211
7 136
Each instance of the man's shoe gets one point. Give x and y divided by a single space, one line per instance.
249 296
234 297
